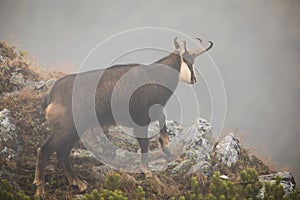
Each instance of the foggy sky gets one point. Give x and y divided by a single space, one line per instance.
256 48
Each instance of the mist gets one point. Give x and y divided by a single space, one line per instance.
256 48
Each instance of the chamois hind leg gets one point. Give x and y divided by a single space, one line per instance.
63 158
164 138
141 134
43 155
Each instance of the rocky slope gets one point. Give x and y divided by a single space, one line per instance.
202 161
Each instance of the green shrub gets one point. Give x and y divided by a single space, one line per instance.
140 194
105 195
195 193
210 197
7 192
221 189
113 181
250 184
275 191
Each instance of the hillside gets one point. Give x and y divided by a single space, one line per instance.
204 171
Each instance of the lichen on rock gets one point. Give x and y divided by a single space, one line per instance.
8 136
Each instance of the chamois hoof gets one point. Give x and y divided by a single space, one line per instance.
40 194
148 174
81 185
146 171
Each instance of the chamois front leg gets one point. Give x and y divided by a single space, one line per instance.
142 138
164 139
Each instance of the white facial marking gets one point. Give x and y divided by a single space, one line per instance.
194 72
185 73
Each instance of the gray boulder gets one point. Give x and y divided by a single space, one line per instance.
227 151
204 167
196 148
17 79
2 59
192 143
81 153
9 143
39 85
101 171
120 145
182 167
287 181
50 82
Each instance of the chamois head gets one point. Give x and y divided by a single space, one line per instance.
187 72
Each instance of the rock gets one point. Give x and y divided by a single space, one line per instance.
2 59
174 128
79 196
17 79
8 153
82 153
203 167
224 177
173 164
30 84
39 85
19 69
227 150
182 167
7 124
8 94
124 135
50 82
193 143
101 171
203 127
198 149
287 181
8 137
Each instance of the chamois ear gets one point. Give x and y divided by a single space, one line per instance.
176 45
183 48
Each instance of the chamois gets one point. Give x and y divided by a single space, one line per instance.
59 106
